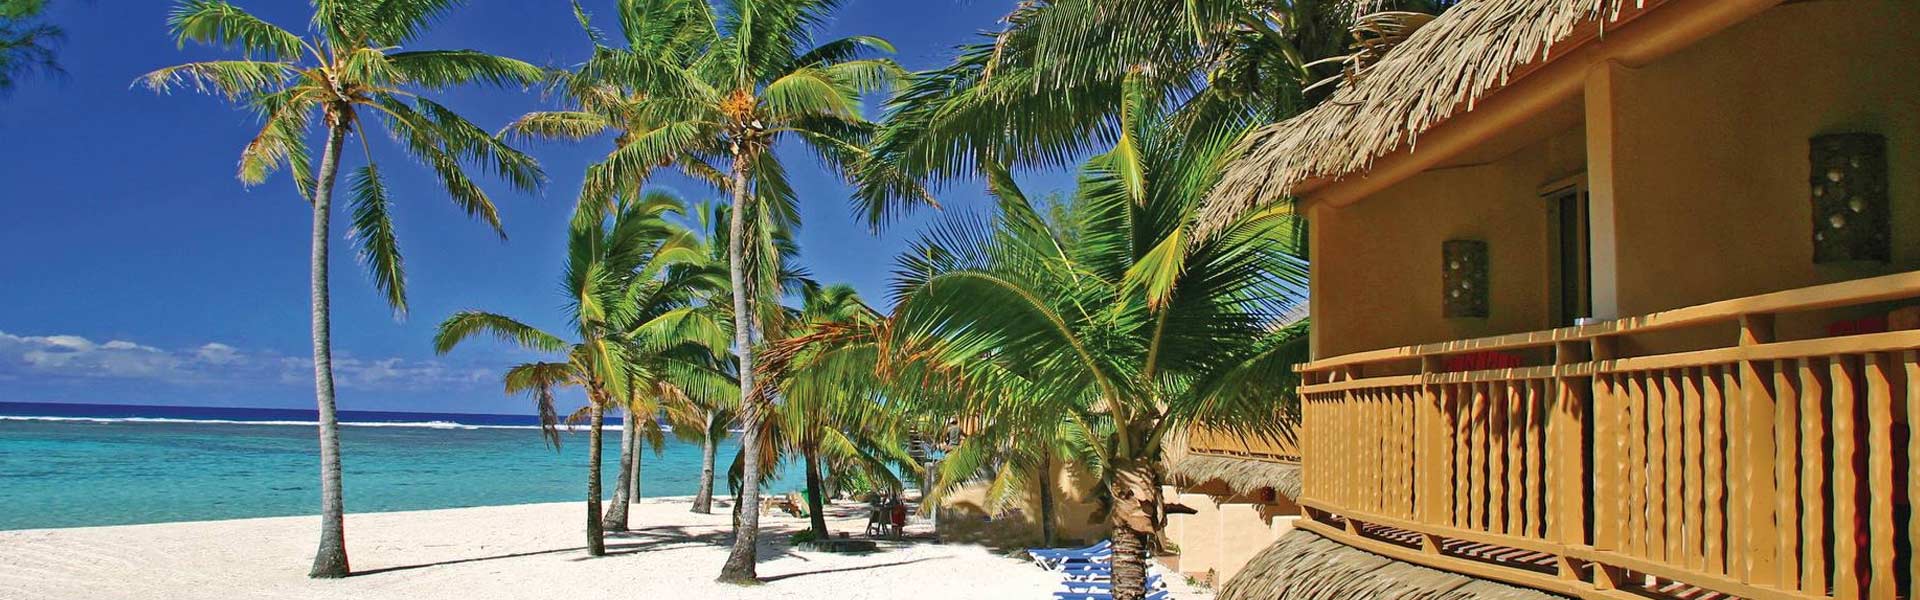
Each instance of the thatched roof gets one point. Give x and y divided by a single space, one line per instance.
1301 565
1241 474
1445 67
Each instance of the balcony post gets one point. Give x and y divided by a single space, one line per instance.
1758 536
1566 431
1429 451
1608 452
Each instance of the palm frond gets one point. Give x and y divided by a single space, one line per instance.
435 69
466 324
220 23
233 79
571 126
373 237
540 380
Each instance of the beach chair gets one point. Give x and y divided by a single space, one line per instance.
1087 571
1154 582
1051 559
1107 595
1059 552
1102 557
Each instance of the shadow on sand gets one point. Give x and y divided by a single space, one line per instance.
647 539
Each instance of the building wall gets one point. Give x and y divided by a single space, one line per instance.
1224 533
1377 262
963 516
1707 150
1710 154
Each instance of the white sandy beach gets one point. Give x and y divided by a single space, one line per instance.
495 553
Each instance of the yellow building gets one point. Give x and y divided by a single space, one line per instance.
1610 299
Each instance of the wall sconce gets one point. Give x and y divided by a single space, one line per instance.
1464 275
1851 218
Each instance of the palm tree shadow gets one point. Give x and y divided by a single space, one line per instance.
649 539
773 578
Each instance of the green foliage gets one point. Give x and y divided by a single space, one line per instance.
642 337
345 72
1047 89
688 84
1091 336
26 43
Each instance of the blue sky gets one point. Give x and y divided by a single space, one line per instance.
135 268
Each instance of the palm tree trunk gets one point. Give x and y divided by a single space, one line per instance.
331 559
639 452
596 538
1047 481
816 506
703 497
740 565
1135 503
616 519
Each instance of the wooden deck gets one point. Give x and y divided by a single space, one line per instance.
1764 468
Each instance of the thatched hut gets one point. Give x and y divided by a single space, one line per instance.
1599 284
1305 566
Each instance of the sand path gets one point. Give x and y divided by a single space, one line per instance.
493 553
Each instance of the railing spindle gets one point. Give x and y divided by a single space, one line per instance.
1713 400
1676 437
1410 411
1606 476
1912 363
1537 459
1691 542
1497 454
1462 438
1477 451
1657 466
1814 417
1516 458
1637 464
1735 406
1786 470
1846 482
1880 525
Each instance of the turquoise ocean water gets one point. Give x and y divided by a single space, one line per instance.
85 465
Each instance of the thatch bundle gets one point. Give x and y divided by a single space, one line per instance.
1302 565
1442 68
1242 475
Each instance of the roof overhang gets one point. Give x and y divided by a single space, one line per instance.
1635 39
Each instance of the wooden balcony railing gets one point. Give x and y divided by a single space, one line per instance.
1759 469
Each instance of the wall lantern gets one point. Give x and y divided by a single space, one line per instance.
1464 275
1851 220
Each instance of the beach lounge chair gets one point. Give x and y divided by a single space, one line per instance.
1090 571
1052 559
1105 585
1102 545
1108 595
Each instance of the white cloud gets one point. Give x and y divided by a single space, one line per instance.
216 353
76 357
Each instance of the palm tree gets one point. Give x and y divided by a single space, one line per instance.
704 420
629 314
638 432
1132 318
744 76
1020 452
350 68
835 416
